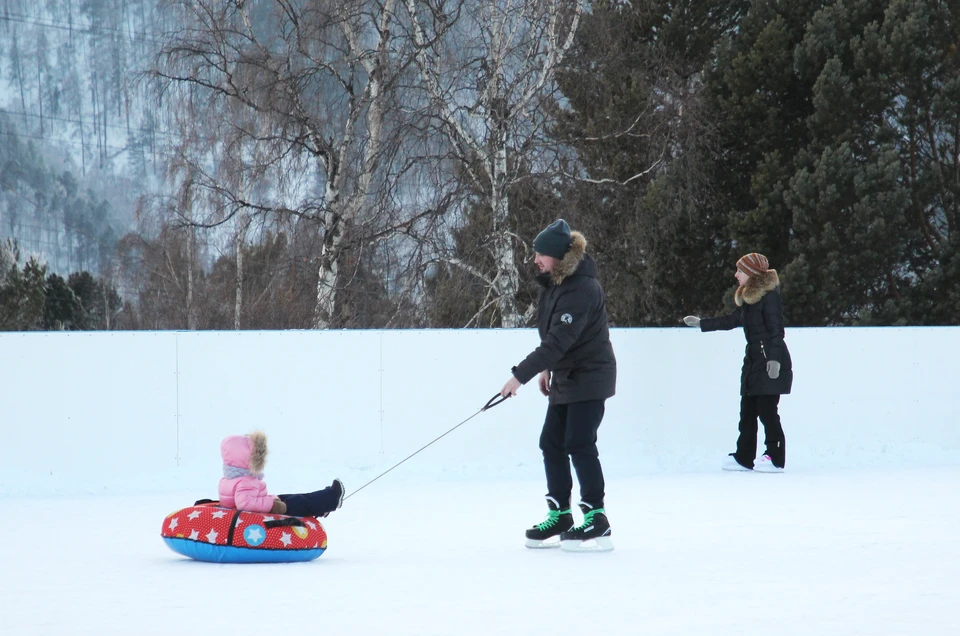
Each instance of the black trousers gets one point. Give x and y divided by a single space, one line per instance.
764 406
311 504
570 433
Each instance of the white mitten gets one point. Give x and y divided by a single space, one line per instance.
691 321
773 369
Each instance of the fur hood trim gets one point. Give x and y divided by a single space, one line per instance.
258 451
756 288
571 260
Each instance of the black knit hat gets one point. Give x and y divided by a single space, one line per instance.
553 241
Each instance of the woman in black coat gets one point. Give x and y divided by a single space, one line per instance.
767 372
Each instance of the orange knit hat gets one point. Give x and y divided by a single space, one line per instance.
753 264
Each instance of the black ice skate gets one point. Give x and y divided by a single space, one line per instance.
593 535
547 534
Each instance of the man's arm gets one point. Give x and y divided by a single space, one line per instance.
567 322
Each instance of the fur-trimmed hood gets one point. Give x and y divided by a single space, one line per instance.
571 260
757 287
245 451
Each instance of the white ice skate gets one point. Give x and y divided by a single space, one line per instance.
765 465
732 464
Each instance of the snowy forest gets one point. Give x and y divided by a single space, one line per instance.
295 164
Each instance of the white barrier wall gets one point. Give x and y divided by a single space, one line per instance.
114 412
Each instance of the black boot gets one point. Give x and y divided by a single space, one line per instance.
595 531
557 522
338 491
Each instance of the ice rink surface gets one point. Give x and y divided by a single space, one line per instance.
811 551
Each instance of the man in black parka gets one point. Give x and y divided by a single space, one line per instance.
578 372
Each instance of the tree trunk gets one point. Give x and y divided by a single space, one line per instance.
238 304
349 209
508 278
191 313
106 305
19 71
323 313
40 92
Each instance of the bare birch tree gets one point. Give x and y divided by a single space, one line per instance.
240 239
313 80
488 67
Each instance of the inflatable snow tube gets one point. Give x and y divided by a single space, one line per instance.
207 532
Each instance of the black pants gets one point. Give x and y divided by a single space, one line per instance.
570 433
764 406
312 504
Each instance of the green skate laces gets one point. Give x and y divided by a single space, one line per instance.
552 518
588 519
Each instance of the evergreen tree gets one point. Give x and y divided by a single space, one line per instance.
62 310
99 301
848 226
842 121
761 105
633 112
22 291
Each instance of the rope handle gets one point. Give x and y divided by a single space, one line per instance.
492 402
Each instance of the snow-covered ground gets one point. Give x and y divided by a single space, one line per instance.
810 551
104 434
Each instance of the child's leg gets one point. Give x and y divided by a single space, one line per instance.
776 443
747 441
317 503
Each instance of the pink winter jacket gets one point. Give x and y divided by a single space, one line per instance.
242 486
